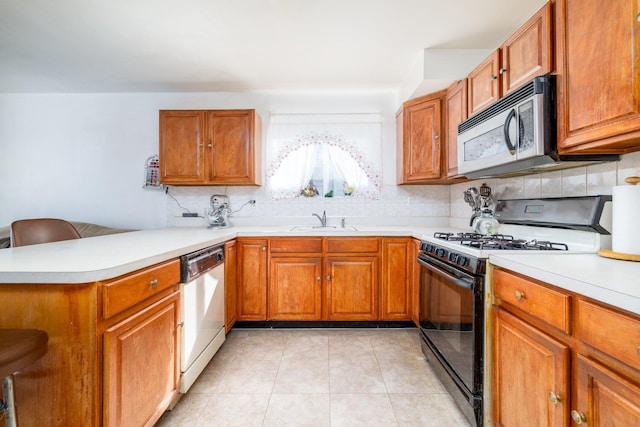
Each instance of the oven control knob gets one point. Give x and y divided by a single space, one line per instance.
441 252
462 261
452 257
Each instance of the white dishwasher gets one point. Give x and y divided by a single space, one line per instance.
201 311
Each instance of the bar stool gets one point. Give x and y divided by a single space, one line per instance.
18 349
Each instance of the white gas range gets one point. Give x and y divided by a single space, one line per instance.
453 295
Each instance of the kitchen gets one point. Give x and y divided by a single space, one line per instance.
105 138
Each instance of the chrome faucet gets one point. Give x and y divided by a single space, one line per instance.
323 218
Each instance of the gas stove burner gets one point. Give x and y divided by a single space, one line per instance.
500 242
459 237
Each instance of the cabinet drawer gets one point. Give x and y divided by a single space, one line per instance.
296 245
131 289
547 304
353 244
611 332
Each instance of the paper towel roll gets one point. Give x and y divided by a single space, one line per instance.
625 236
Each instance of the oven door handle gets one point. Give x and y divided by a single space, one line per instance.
458 281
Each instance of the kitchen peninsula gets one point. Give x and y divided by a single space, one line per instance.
87 293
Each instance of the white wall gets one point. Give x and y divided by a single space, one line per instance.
81 157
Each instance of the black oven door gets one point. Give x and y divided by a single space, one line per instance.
452 322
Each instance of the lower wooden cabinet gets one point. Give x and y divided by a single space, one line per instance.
604 398
528 367
352 288
295 288
252 279
142 364
397 270
230 284
113 353
577 364
325 278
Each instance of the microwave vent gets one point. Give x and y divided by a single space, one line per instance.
525 91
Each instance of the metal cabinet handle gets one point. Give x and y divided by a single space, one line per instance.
503 70
436 136
264 248
153 283
328 277
493 77
554 398
519 295
209 145
318 278
578 417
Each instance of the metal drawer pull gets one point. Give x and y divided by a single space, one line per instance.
578 417
153 283
519 295
554 398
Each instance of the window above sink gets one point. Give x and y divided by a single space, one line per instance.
324 155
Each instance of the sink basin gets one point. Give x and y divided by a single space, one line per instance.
320 228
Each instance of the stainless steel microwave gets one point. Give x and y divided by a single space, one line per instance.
516 135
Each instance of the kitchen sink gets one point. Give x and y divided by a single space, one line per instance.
320 228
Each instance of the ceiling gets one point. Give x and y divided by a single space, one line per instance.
237 45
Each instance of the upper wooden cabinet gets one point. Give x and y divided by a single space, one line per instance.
210 147
484 83
528 52
418 138
455 111
598 52
525 54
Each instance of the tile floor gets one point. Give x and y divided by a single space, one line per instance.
317 377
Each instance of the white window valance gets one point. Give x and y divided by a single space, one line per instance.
346 146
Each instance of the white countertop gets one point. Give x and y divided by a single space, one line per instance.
104 257
607 280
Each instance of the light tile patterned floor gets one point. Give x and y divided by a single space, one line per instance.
317 377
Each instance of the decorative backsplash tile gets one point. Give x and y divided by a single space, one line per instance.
411 201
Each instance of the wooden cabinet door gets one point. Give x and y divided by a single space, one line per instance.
252 279
231 148
455 107
483 84
603 398
415 282
597 57
396 275
351 285
230 285
528 366
142 365
295 288
419 158
527 53
182 147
